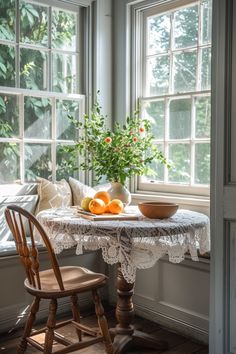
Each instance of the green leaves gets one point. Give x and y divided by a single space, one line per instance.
118 154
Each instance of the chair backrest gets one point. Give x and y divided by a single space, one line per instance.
17 219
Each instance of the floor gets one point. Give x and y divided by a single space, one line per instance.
177 344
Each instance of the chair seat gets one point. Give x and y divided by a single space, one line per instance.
75 279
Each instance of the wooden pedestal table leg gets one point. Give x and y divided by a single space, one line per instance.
125 336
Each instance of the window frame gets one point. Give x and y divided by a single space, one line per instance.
84 11
53 141
137 14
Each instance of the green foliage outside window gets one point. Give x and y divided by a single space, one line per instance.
32 57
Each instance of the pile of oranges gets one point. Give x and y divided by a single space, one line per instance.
102 203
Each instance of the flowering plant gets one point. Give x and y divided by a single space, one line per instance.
117 154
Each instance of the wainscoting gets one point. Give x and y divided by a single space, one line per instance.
173 295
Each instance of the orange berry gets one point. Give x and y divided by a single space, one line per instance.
141 129
97 206
104 196
116 206
135 139
108 140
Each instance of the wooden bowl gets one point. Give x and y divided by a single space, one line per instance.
156 210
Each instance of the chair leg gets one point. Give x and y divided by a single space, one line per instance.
28 326
102 322
51 322
76 314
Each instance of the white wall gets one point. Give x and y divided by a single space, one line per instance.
103 60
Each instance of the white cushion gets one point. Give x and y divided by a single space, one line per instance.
7 190
50 194
28 202
80 190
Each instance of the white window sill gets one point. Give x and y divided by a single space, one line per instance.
191 202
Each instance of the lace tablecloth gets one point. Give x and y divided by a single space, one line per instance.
135 243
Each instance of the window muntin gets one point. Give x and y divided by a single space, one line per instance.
39 87
31 137
175 93
41 50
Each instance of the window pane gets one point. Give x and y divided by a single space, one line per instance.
33 23
7 19
180 119
186 27
37 161
179 158
9 162
202 163
158 34
65 129
206 21
158 75
7 65
203 117
33 69
37 117
9 116
156 172
185 71
64 73
206 69
64 30
63 169
155 113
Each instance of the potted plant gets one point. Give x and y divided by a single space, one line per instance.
117 153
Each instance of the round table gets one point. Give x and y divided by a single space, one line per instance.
132 244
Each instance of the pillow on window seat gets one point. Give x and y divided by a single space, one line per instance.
50 194
81 190
27 202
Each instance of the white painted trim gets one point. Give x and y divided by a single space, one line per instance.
37 93
220 49
172 198
177 325
65 4
173 188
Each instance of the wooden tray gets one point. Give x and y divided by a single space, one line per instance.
107 216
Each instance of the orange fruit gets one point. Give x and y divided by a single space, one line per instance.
104 196
97 206
107 210
116 206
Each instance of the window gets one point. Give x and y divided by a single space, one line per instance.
40 82
173 84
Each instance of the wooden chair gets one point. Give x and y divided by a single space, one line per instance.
52 284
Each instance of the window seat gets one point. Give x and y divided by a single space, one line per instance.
25 196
